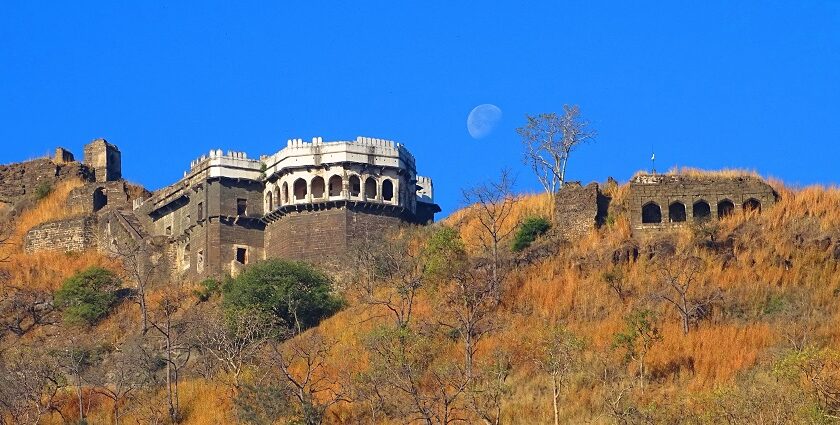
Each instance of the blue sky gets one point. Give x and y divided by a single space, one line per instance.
707 84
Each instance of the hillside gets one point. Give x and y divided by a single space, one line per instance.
729 322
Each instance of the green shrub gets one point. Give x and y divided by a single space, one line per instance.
444 253
295 292
87 296
42 190
207 288
530 229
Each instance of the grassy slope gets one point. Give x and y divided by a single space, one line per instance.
780 279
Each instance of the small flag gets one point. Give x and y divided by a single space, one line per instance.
653 157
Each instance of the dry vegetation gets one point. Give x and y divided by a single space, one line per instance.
776 289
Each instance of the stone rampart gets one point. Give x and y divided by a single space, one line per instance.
69 235
577 209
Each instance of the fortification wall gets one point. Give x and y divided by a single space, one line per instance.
663 201
70 235
324 235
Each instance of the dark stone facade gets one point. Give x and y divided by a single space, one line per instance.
324 235
20 182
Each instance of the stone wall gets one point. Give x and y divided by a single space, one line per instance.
681 199
20 181
104 159
69 235
321 236
579 209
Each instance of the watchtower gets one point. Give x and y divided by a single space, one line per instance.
104 160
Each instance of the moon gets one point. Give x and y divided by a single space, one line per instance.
482 120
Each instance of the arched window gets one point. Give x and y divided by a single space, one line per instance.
370 188
676 212
651 213
752 205
355 185
300 189
100 199
335 184
701 210
269 201
725 208
285 192
387 190
318 187
278 195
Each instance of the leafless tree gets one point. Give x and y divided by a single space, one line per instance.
302 362
23 308
75 359
680 286
171 330
29 384
389 271
235 339
490 387
549 140
135 257
121 373
494 201
557 353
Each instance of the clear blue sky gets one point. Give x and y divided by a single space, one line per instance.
708 84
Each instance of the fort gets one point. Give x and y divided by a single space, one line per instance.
310 201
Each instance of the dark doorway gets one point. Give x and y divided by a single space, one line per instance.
242 255
725 208
100 199
676 212
701 210
752 205
651 213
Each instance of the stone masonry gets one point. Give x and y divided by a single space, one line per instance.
71 235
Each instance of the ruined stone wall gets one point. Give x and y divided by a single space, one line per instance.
92 197
69 235
577 209
20 181
664 191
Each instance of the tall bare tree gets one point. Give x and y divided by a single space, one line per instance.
171 330
680 286
549 140
494 201
557 354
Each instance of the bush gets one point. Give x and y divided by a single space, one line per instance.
295 292
42 190
207 288
87 296
530 229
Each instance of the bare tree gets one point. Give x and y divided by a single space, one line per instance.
302 362
23 308
235 339
549 140
490 387
134 255
75 359
638 337
121 373
171 330
388 271
29 384
494 203
557 353
680 287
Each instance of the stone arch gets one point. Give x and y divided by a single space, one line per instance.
300 189
269 201
752 205
278 196
651 213
355 185
725 208
318 187
387 190
335 184
100 199
676 212
370 188
701 210
186 259
285 192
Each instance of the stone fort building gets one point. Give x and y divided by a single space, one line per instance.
308 201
